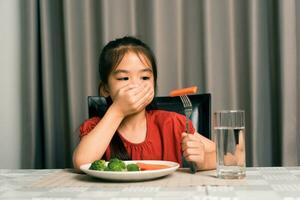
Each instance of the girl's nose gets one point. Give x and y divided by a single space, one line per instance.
136 81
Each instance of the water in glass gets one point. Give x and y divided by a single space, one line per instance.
230 141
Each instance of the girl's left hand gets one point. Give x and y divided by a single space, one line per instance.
192 148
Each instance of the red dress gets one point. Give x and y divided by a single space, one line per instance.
163 137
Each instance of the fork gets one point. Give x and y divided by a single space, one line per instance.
188 108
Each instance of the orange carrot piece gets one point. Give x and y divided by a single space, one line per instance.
183 91
144 166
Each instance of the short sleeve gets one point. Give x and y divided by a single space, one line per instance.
88 125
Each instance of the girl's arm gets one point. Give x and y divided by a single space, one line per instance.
199 149
93 145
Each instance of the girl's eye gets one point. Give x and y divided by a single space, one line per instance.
145 78
123 79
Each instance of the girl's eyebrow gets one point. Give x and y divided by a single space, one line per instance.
126 71
146 70
120 71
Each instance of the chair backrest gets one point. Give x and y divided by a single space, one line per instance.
201 115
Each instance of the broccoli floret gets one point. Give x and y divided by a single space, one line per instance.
133 167
116 165
98 165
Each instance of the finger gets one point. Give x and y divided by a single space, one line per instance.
187 134
145 103
137 102
145 93
192 145
138 92
190 137
129 87
126 90
192 151
187 142
145 100
150 96
194 158
133 94
184 134
134 91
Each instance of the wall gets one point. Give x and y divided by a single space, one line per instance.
10 118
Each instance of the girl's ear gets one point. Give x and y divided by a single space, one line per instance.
103 90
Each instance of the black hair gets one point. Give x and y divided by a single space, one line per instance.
111 55
114 51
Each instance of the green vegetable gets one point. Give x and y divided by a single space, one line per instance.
133 167
116 165
98 165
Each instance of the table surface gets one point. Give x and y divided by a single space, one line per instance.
260 183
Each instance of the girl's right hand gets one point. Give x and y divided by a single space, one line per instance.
132 98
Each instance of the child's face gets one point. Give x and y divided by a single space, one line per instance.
132 69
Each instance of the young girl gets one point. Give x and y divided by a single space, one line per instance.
128 130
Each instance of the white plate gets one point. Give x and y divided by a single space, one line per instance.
135 175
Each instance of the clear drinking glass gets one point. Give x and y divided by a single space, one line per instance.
229 128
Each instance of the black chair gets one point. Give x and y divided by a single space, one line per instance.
201 115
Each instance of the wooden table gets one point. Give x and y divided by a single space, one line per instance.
260 183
